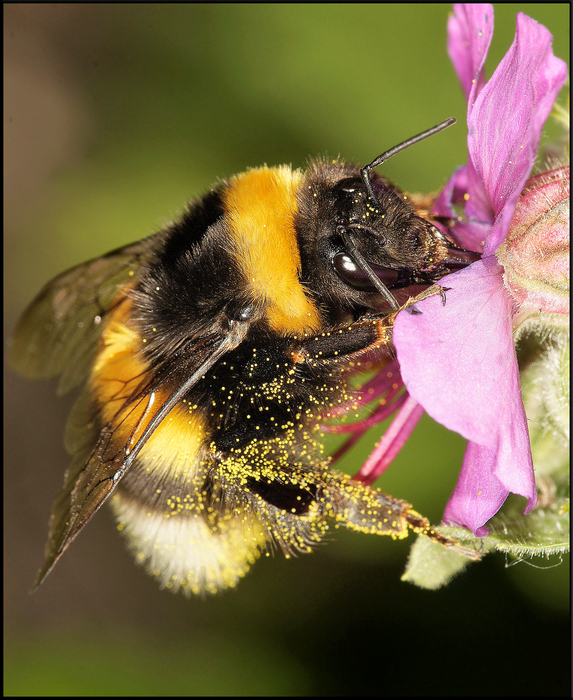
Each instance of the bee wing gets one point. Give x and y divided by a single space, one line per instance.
100 459
59 331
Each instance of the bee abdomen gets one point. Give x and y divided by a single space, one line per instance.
183 551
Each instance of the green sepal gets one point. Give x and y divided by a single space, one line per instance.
542 533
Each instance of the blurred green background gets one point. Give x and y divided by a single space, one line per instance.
115 115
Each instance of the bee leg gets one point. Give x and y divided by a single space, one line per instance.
432 291
344 345
366 510
347 343
295 382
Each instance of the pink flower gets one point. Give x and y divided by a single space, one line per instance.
458 361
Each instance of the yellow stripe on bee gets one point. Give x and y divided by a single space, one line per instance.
119 370
261 205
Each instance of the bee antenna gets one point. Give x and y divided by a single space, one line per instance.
365 171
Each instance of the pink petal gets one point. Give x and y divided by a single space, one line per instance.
478 494
470 30
457 360
470 235
485 481
506 120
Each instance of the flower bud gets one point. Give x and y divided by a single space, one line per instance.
545 387
535 254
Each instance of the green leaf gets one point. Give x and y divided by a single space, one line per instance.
432 566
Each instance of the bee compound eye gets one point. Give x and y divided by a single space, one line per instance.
350 185
347 269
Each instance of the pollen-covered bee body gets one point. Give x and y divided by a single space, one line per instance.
210 354
241 465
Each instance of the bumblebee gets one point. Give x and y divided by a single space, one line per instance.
210 352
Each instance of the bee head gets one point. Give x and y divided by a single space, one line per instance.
371 247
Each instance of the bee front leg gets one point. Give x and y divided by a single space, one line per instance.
343 345
348 343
